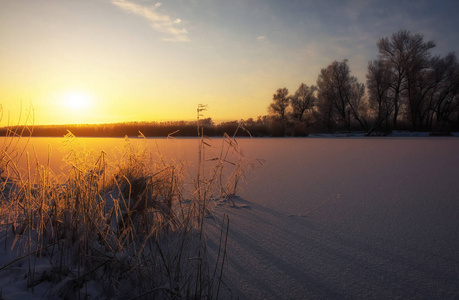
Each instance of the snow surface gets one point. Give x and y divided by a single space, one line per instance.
335 218
353 218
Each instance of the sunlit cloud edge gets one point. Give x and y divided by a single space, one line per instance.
158 21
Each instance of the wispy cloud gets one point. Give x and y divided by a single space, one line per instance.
160 22
261 38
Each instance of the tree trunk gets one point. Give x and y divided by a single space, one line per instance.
394 123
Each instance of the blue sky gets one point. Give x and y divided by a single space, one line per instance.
156 60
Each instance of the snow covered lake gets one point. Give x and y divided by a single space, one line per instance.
348 218
334 218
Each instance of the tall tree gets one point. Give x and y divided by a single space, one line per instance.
378 86
444 96
278 107
303 100
337 87
326 114
405 54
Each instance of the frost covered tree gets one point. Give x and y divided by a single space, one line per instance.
379 90
303 100
340 94
326 114
278 107
438 93
405 55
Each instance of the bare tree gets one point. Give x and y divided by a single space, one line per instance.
278 107
326 114
405 55
356 104
423 92
303 100
337 87
379 90
444 94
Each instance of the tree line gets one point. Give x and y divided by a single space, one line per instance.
131 129
407 87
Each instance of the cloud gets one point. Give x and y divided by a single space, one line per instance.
160 22
261 38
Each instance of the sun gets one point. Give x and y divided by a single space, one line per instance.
77 101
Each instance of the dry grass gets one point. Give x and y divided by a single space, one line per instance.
132 228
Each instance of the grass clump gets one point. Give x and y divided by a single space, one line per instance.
130 228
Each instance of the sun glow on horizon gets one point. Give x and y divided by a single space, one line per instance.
77 101
92 62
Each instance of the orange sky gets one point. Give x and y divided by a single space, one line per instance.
142 60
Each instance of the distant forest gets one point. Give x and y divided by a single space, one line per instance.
407 88
131 129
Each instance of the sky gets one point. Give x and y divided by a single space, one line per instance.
103 61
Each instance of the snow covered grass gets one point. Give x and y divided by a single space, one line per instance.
128 228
